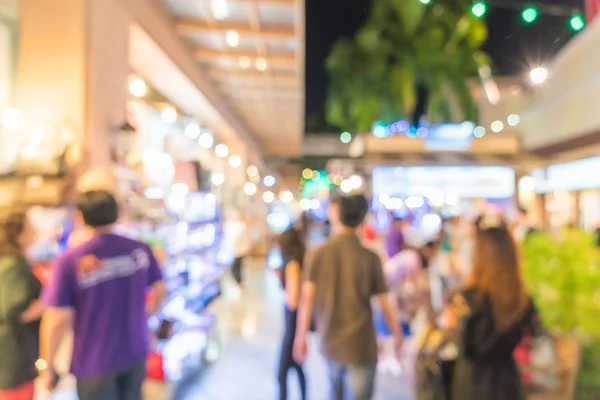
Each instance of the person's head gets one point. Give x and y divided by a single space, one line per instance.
496 273
353 210
16 234
292 246
98 208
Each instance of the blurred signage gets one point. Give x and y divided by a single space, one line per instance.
462 182
449 137
575 175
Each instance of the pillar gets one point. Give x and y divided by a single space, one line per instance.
73 69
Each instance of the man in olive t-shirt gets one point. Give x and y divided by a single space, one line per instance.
342 277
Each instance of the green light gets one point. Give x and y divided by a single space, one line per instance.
479 9
577 23
529 14
346 137
425 1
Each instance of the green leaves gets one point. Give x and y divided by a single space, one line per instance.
405 44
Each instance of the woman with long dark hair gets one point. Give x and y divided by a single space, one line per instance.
494 313
20 310
292 252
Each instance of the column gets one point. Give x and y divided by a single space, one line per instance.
73 69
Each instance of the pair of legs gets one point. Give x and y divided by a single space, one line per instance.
236 269
287 360
351 382
122 385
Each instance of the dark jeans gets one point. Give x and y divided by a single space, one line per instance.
122 385
236 269
351 382
287 360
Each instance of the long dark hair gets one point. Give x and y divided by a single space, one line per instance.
11 227
497 273
292 246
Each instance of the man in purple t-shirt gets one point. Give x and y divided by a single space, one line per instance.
99 290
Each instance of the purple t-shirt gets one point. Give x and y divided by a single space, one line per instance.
394 241
105 282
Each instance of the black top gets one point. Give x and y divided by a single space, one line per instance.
18 288
486 369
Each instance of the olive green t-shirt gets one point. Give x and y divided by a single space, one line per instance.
346 276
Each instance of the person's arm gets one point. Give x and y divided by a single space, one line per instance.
382 296
305 307
33 312
292 285
156 281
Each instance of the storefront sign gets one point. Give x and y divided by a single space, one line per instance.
449 137
575 175
462 182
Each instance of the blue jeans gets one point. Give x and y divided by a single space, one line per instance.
349 382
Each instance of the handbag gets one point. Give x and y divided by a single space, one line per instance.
437 353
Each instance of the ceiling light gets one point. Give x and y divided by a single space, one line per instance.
192 130
356 181
206 140
245 62
169 115
220 9
538 75
217 179
235 161
346 137
232 38
261 64
222 150
13 119
137 87
346 186
252 170
307 173
513 119
286 196
250 189
305 204
479 132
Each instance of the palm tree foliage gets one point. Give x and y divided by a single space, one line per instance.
405 44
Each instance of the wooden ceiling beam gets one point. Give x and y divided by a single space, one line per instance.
266 31
272 58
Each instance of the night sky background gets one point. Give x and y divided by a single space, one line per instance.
512 45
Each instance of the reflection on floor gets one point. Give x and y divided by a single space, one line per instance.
251 325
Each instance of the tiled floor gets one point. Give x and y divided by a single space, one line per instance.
250 329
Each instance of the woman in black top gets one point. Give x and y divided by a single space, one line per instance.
494 312
292 251
20 309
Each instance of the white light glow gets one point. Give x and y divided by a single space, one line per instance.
346 186
538 75
235 161
395 203
166 159
220 9
250 189
192 131
180 190
527 184
415 202
222 150
13 119
479 132
269 181
210 199
452 200
268 197
245 62
513 120
151 157
154 193
356 182
29 152
497 126
252 170
206 140
305 204
384 198
436 198
169 115
217 179
286 196
431 224
232 38
261 64
315 204
137 87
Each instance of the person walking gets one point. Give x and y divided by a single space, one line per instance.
292 252
20 309
341 279
98 289
493 313
239 237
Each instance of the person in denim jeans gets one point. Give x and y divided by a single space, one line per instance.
341 278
